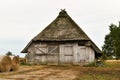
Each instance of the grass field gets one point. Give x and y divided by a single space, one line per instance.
111 71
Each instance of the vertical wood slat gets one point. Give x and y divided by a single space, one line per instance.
85 55
75 51
31 55
68 53
52 54
40 53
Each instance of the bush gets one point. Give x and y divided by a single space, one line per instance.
95 64
100 64
92 64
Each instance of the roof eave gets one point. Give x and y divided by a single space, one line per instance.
26 48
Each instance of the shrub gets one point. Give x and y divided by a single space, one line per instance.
92 64
97 63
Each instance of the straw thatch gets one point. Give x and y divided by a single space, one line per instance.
5 63
63 28
15 63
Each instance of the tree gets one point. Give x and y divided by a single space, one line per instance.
108 45
112 42
9 53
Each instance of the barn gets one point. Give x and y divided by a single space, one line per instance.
61 42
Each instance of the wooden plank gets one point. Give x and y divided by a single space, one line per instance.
40 59
91 54
40 50
52 59
31 53
68 54
40 53
53 54
75 52
85 55
82 55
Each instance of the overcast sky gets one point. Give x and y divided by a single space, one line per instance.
21 20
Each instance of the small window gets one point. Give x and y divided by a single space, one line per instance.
81 44
53 49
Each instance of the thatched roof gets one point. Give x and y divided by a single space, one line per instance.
63 28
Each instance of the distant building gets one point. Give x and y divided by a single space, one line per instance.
62 42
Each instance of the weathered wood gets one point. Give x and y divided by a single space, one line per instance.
40 53
68 54
31 54
85 54
91 54
53 54
71 53
75 52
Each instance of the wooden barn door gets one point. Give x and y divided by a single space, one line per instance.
53 54
40 54
68 54
83 56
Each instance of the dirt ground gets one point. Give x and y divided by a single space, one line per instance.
40 73
44 72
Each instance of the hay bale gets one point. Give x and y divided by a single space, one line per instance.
23 61
5 63
15 63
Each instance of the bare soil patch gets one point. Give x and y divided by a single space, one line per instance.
45 72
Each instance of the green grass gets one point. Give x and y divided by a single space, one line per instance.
112 64
25 64
110 71
98 77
